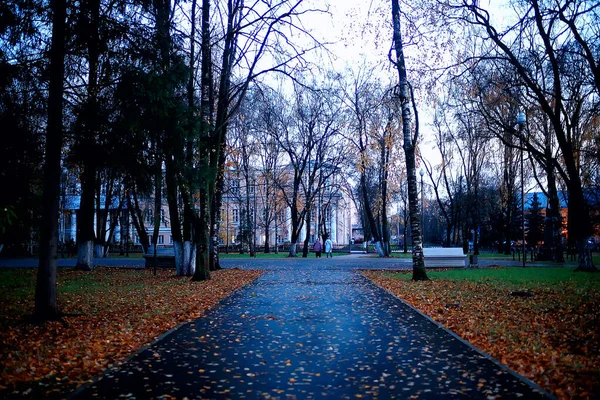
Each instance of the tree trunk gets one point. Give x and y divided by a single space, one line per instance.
46 307
419 273
385 235
405 232
138 222
85 238
579 226
202 236
85 220
307 236
552 248
369 215
189 240
189 250
175 222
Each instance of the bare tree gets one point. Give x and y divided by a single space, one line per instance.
537 48
410 144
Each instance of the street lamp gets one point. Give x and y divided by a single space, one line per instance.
254 218
422 172
521 121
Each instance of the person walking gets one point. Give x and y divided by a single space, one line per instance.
328 248
318 247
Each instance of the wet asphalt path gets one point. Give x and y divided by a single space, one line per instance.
309 329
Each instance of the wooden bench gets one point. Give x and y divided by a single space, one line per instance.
444 257
165 257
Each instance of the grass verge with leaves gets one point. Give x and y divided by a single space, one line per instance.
111 312
550 335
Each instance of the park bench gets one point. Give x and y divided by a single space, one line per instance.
165 257
444 257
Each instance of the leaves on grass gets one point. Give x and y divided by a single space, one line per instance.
552 337
111 313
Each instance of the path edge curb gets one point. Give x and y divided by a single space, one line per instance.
482 353
160 337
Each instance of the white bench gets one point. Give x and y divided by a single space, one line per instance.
444 257
165 257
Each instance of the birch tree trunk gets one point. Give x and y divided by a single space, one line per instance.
189 250
419 273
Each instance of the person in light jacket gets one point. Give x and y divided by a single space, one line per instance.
328 248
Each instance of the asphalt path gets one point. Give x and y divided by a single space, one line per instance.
311 329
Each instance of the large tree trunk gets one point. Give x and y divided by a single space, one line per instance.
175 221
85 220
552 248
202 236
85 238
419 273
202 225
46 307
307 236
189 240
189 249
579 225
216 216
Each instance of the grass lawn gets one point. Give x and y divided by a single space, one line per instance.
111 313
551 337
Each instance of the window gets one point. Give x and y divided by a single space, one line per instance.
161 239
170 239
235 216
149 216
235 186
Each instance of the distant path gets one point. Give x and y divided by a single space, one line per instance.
310 329
350 261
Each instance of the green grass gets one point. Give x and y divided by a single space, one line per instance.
530 277
16 282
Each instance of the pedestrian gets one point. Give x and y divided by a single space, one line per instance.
318 247
328 248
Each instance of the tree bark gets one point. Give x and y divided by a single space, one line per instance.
307 236
202 226
85 221
419 273
189 250
175 222
138 221
46 304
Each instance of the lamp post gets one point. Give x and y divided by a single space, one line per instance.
254 218
422 172
521 121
